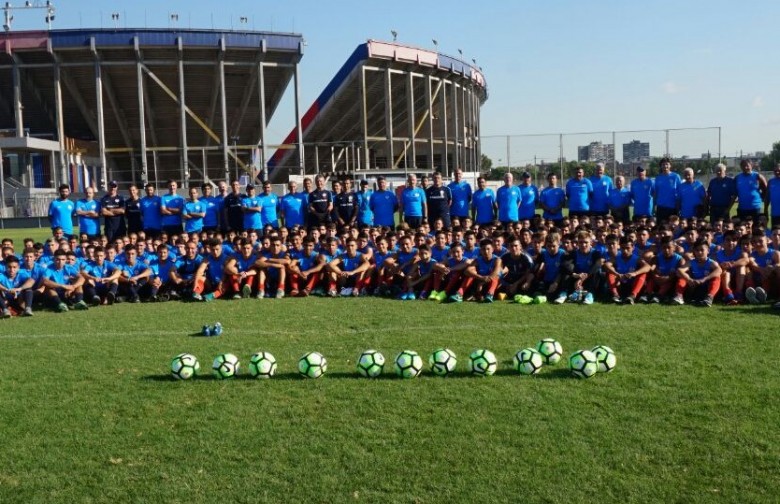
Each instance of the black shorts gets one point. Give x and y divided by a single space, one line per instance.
663 213
174 229
414 222
751 214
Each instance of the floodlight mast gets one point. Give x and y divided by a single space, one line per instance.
48 6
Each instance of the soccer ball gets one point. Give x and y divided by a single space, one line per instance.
225 366
605 358
583 364
442 361
482 362
528 361
262 365
184 366
370 364
408 364
551 350
312 365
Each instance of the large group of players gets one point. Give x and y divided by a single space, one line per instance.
662 240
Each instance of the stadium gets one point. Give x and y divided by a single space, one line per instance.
206 368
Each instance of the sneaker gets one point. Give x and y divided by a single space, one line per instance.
27 312
588 299
236 296
751 295
644 299
410 296
110 298
294 293
456 298
629 300
6 313
561 298
346 291
246 292
208 297
318 291
423 296
62 307
706 302
260 295
81 305
523 299
501 296
616 299
655 300
442 296
95 301
196 297
540 299
678 300
333 293
135 299
433 296
488 299
761 295
279 294
776 306
574 297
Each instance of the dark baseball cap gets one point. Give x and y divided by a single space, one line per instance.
640 168
249 186
525 174
364 182
113 183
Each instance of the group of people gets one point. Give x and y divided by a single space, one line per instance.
445 243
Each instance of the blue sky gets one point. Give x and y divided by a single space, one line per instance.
551 66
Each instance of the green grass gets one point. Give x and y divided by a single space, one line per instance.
89 413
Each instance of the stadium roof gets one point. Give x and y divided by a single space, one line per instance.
152 57
336 116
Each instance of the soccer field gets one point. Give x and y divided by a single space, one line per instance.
90 414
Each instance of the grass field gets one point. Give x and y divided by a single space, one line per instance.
89 413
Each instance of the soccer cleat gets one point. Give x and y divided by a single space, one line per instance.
246 292
706 302
456 298
751 295
294 293
6 313
616 299
655 300
629 300
95 301
574 297
208 297
110 298
410 296
236 296
333 293
678 300
540 299
588 300
135 299
260 295
488 299
27 312
423 296
776 306
561 298
279 294
318 291
62 307
761 295
81 305
523 299
433 296
196 297
346 291
644 299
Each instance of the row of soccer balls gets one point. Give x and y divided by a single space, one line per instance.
409 364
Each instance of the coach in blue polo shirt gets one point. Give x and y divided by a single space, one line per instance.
413 203
384 204
667 185
292 205
508 200
642 194
721 194
578 192
61 212
461 195
602 186
529 197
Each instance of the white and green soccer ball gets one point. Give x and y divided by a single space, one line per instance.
583 364
528 361
443 361
184 366
312 365
225 366
551 350
408 364
605 357
370 364
482 362
262 365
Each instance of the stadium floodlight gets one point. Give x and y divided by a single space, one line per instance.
435 43
461 52
395 35
37 4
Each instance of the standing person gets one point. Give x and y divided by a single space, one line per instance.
483 203
112 208
252 207
414 207
365 216
171 206
721 194
346 205
579 191
193 213
61 212
692 197
213 206
461 195
384 204
133 214
269 203
529 196
292 207
222 188
620 201
150 212
602 186
773 198
88 212
751 192
438 201
308 187
642 194
233 208
320 203
667 184
552 199
508 200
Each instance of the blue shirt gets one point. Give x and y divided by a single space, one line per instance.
692 195
16 282
61 215
642 192
269 204
508 199
172 202
552 264
365 214
529 194
412 200
483 201
668 265
195 224
383 204
578 192
64 276
619 198
721 191
350 263
216 269
162 269
104 270
601 189
553 197
774 196
213 209
293 208
461 198
440 254
150 212
134 270
252 220
666 187
485 267
89 225
747 191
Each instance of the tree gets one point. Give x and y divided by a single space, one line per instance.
769 161
486 164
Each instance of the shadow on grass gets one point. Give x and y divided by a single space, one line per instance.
560 373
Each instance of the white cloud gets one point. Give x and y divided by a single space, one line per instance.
670 87
758 102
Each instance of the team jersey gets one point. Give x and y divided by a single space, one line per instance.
529 195
293 208
61 215
14 283
452 262
162 269
194 224
721 191
583 263
486 266
186 267
553 197
365 214
88 225
517 267
461 198
64 276
470 253
350 263
666 189
602 186
763 260
379 258
425 268
692 195
412 199
307 262
665 266
216 269
722 256
642 194
172 202
131 270
439 254
150 212
483 202
269 204
508 200
619 198
404 257
699 270
252 220
624 265
774 196
383 204
552 264
37 273
105 270
748 192
244 264
213 210
439 199
320 200
578 192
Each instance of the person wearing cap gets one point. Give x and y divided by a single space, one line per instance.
529 197
365 216
252 208
721 194
667 186
751 192
414 207
579 191
642 194
171 206
602 185
461 195
61 211
292 207
383 204
112 208
320 203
